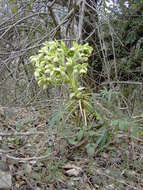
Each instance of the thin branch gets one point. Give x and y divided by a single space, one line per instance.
122 82
18 22
80 26
55 20
25 18
22 134
34 158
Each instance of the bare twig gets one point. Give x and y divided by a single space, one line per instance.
122 82
81 17
34 158
22 134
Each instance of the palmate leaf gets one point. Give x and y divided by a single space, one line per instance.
123 124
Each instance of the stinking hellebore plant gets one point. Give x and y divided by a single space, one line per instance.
57 64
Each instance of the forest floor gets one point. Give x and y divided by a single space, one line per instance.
39 157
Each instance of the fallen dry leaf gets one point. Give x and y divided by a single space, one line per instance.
72 170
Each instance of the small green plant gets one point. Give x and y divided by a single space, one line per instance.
57 64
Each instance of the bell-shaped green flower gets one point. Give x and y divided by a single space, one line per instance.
57 64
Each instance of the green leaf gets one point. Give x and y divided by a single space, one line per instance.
90 148
72 141
98 117
115 122
92 133
80 135
102 140
124 125
55 119
134 130
36 176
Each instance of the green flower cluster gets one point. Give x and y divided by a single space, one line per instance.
56 63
